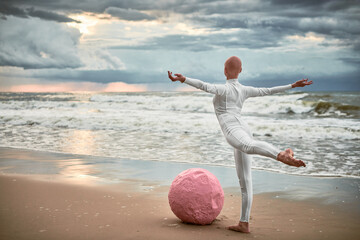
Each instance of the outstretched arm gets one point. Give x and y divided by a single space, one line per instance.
207 87
255 92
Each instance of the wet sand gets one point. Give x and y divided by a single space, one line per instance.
38 208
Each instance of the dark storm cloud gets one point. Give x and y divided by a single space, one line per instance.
330 4
347 32
125 10
49 15
8 9
128 14
329 18
95 6
280 25
299 2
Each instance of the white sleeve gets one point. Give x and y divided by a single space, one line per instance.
255 92
218 89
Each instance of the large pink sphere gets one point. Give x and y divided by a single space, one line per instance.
196 196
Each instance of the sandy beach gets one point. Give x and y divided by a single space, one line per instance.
35 209
38 206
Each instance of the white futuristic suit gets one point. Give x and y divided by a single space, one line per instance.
228 102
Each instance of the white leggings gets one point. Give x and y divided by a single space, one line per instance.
239 136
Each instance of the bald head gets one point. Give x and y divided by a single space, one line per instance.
232 67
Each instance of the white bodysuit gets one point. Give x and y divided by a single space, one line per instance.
228 102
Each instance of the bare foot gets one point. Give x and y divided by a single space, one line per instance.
241 227
290 151
287 158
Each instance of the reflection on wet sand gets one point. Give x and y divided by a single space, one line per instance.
76 169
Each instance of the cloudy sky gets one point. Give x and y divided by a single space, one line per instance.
128 45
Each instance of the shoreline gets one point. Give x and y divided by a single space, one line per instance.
95 170
187 163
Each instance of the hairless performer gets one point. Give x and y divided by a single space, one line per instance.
228 101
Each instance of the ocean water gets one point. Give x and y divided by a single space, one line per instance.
323 129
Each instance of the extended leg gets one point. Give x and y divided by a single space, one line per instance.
242 141
243 170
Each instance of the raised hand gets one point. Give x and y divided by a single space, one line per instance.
178 77
301 83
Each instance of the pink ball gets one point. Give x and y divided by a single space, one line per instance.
196 196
